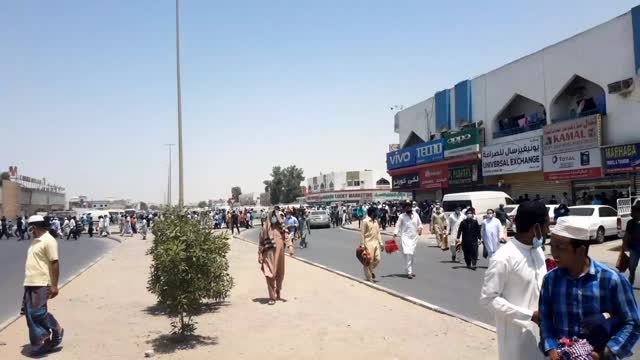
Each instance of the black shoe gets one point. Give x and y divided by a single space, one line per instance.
453 259
373 276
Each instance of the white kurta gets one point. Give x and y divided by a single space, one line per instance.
454 225
407 228
491 233
511 288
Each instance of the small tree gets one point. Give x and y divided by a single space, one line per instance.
143 206
189 266
235 193
202 204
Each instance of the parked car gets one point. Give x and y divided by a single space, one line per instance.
602 220
319 218
511 211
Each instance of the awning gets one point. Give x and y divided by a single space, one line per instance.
413 169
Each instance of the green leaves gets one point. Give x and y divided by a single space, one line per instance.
284 186
189 267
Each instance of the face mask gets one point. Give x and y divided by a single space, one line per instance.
489 216
469 216
274 219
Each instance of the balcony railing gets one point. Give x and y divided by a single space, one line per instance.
582 114
531 126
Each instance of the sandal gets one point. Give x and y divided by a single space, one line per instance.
271 302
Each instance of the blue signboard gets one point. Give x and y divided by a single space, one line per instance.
431 151
401 158
622 158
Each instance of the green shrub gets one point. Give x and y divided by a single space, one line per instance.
189 267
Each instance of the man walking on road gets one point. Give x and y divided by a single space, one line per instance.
492 233
439 228
3 228
72 229
469 234
360 213
454 224
410 229
42 272
372 241
512 284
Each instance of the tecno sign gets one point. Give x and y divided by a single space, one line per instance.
431 151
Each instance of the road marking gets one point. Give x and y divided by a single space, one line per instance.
391 292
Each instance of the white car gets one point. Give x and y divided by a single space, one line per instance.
600 220
512 210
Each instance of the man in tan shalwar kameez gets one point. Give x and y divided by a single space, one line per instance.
273 239
439 227
372 240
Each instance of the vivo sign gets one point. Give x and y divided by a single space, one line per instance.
401 158
430 152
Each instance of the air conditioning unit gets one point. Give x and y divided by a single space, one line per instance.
622 87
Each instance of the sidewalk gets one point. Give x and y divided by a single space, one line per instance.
108 314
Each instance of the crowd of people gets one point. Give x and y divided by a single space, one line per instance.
584 199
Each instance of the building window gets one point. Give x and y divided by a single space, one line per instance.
579 98
520 115
349 183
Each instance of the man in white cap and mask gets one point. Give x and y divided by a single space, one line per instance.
580 289
42 271
512 285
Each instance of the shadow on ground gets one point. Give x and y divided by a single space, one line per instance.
167 344
160 310
27 351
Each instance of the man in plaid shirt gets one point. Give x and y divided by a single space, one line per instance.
581 287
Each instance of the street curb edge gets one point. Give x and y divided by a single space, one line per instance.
393 293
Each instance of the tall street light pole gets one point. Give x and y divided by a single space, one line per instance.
169 179
180 162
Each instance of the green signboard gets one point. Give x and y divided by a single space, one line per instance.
462 143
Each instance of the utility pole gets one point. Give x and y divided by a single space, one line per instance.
169 179
180 162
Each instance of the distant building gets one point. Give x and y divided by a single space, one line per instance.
24 195
351 187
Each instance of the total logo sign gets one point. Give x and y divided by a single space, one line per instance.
583 164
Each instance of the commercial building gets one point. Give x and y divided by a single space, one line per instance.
563 119
24 196
350 187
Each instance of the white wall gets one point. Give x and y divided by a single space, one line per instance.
419 118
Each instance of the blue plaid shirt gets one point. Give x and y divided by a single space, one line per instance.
565 301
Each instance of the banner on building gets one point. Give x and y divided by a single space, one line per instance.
622 158
583 164
394 147
13 172
462 143
463 175
572 135
408 181
434 177
401 158
431 151
513 157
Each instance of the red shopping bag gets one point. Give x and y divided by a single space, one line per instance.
390 246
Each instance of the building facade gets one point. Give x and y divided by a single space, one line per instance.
563 119
24 196
350 187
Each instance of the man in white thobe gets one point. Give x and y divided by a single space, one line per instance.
410 228
454 224
492 233
512 285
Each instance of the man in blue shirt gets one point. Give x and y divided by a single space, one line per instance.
292 225
580 288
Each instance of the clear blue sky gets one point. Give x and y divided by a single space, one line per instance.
87 88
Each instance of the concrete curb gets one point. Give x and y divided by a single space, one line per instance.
394 293
6 324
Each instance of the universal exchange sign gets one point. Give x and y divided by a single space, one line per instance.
462 143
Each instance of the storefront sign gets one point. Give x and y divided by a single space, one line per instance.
394 147
462 175
513 157
409 181
579 134
431 151
434 177
391 196
622 158
357 196
573 165
462 143
401 158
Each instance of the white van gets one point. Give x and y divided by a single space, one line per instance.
96 213
481 201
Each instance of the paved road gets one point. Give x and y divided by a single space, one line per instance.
74 256
439 281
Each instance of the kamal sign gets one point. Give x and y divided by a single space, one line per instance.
583 164
579 134
462 143
513 157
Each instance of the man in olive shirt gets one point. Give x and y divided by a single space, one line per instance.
42 271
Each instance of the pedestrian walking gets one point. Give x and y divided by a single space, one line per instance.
410 228
469 235
304 228
107 223
235 222
90 224
455 219
580 290
501 215
66 226
360 214
72 229
512 284
273 240
19 232
134 225
492 233
631 241
3 228
144 229
42 271
100 225
292 224
371 239
438 227
126 229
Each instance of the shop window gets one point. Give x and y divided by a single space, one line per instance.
580 97
520 115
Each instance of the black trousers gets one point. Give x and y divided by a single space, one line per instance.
470 253
383 222
4 232
235 226
73 232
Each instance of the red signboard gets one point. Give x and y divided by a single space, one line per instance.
434 177
574 174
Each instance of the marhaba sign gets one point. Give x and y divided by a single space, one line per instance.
513 157
622 158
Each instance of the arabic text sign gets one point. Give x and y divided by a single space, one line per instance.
430 152
435 177
579 134
513 157
408 181
581 164
401 158
622 158
462 143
